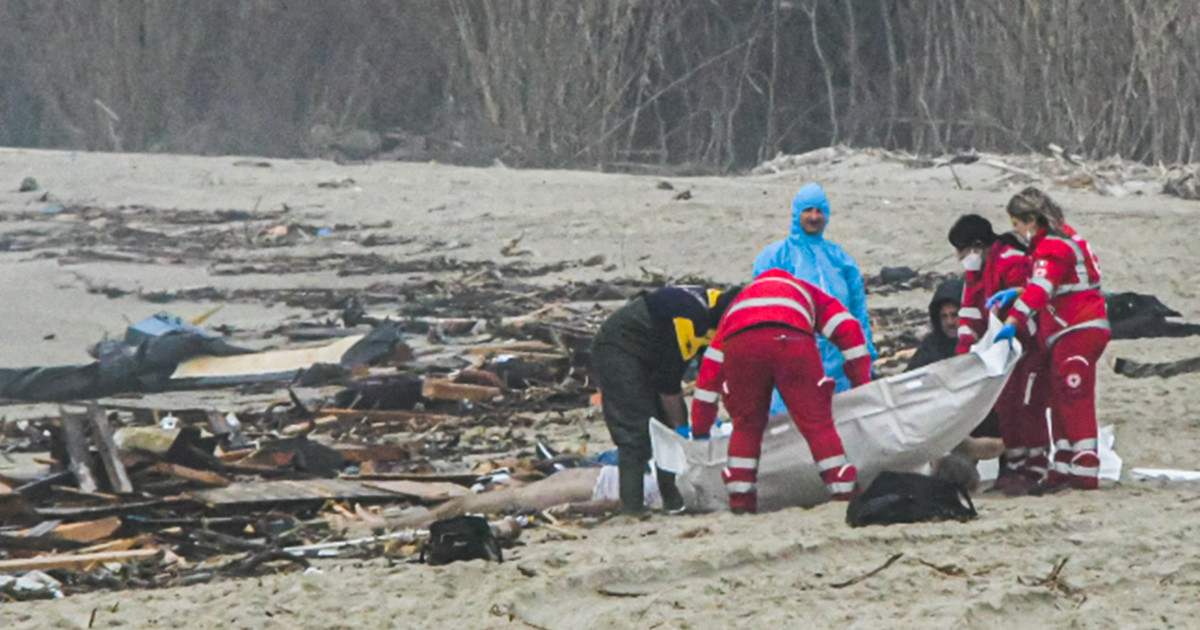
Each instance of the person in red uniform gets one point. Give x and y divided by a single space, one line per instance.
1062 305
994 263
766 340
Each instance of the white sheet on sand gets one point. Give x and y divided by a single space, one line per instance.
897 423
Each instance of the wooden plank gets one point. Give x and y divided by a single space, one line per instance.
206 477
75 434
278 491
77 562
445 389
263 363
462 479
120 544
359 453
87 531
109 453
510 348
426 491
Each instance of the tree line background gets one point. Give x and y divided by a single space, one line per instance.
718 84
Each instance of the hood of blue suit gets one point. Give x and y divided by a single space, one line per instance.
809 196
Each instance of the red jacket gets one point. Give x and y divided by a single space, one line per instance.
778 298
1006 267
1064 289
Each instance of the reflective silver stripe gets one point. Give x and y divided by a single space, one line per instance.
1022 307
714 355
1061 467
1084 471
1029 387
739 487
761 302
835 321
1035 468
965 331
1031 326
841 487
1092 323
704 395
1086 281
1009 253
1089 444
829 463
802 290
857 352
1062 445
970 313
1045 284
1037 451
742 462
1016 453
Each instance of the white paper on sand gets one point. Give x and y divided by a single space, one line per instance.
1165 474
897 423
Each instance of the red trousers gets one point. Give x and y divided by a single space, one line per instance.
1071 364
1022 411
757 361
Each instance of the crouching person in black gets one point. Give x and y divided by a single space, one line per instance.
638 360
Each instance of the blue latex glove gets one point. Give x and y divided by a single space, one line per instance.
685 431
1008 332
1001 298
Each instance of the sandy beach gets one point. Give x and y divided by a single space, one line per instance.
1131 558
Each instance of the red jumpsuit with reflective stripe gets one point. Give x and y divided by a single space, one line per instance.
1063 293
766 341
1021 406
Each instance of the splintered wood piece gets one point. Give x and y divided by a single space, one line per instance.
359 453
87 531
109 453
444 389
75 562
510 348
75 435
205 477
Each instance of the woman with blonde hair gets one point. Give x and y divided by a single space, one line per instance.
1062 307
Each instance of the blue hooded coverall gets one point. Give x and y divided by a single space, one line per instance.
825 264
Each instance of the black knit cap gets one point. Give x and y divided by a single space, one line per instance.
971 229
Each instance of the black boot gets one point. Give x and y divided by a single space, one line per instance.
672 500
630 469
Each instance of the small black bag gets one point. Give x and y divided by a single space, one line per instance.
467 537
909 498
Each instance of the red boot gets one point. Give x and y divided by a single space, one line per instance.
842 482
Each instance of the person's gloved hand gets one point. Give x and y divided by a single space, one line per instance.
1001 298
1008 332
685 431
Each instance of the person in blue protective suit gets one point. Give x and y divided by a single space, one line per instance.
806 254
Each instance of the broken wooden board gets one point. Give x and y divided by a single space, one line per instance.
87 532
359 453
462 479
264 366
425 491
110 455
509 348
75 434
204 477
445 389
77 562
281 491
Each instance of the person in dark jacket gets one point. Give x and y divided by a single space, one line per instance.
638 359
942 339
941 343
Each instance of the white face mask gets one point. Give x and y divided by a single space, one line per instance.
972 261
